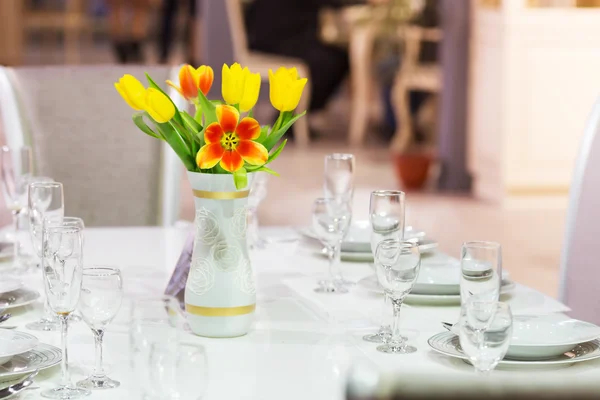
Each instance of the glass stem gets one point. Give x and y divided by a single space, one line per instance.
16 247
396 337
334 262
385 313
64 365
98 369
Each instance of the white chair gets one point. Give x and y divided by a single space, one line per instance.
580 270
82 135
261 63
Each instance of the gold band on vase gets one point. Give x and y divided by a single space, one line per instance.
219 311
204 194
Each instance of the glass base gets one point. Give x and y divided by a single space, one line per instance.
98 382
330 287
44 325
396 348
379 337
65 393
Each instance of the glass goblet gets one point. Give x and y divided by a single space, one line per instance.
481 271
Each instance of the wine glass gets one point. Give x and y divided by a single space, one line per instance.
485 332
17 168
62 263
481 268
386 213
45 199
331 222
397 264
101 295
258 192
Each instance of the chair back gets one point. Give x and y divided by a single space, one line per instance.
580 272
82 135
237 30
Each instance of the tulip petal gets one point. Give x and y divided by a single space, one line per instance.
275 92
132 91
159 106
188 82
251 91
174 86
231 161
252 152
207 77
209 155
248 129
228 117
213 133
294 94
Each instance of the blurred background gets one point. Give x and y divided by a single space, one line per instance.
474 107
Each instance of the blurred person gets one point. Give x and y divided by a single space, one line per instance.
291 28
128 25
167 32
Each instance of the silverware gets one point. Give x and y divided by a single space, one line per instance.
8 327
18 387
5 317
447 325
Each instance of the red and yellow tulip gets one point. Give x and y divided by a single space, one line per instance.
230 142
191 80
285 88
240 86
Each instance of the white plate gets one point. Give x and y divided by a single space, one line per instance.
15 342
18 298
425 246
548 336
358 238
10 284
448 343
42 357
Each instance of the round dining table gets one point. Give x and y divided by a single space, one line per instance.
302 344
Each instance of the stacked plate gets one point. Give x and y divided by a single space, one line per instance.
551 339
21 353
357 243
438 282
12 293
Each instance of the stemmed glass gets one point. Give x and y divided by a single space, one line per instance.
62 263
45 200
101 295
397 264
386 213
17 167
331 222
481 268
339 186
258 192
485 333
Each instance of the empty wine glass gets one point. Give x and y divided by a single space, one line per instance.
485 332
258 192
387 214
45 199
62 263
17 168
397 264
481 267
339 177
331 222
101 295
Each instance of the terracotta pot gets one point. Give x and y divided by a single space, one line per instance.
412 169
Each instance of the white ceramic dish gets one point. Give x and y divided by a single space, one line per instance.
18 298
548 336
448 343
42 357
425 246
15 342
10 284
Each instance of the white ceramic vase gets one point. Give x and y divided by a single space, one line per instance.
220 295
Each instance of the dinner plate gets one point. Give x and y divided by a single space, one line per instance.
10 284
42 357
18 298
546 336
448 343
425 246
15 342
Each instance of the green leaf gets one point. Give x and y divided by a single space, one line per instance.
138 120
153 84
193 127
208 108
277 152
240 178
274 137
251 113
264 132
178 145
267 170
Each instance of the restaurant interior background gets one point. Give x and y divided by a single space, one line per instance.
492 121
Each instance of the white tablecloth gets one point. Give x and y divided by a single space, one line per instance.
303 342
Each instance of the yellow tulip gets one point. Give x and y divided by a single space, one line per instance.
159 106
240 86
132 91
285 88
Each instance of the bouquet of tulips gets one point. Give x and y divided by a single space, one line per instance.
221 137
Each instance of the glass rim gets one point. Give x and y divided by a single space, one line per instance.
481 244
63 228
340 156
496 303
406 244
102 270
386 193
46 184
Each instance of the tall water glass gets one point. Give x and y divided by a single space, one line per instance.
339 177
17 168
101 295
387 214
331 221
481 271
485 332
397 264
45 200
62 263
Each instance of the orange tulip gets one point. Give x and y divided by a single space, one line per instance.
231 143
190 80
